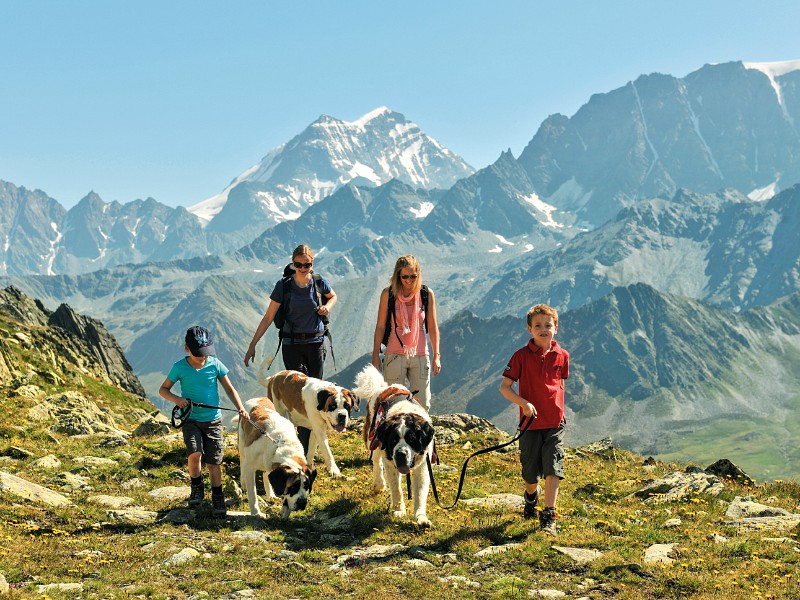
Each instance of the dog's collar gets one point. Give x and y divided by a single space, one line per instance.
382 409
397 398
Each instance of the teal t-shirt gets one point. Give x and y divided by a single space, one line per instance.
200 385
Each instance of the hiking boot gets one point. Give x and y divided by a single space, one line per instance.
547 521
197 495
218 509
531 506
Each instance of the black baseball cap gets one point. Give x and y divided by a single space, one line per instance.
199 341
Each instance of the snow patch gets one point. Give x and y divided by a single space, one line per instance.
496 250
528 247
696 125
545 209
51 255
764 193
646 134
423 211
361 170
503 240
373 114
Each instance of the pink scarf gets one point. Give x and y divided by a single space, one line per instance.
408 322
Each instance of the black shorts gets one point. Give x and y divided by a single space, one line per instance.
541 452
205 438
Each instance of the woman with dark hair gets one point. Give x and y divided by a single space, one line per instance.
303 331
407 309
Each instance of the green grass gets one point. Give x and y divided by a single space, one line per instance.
42 545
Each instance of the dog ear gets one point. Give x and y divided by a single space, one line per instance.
426 433
277 479
354 400
322 399
312 475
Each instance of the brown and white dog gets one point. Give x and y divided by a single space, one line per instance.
399 433
275 450
313 403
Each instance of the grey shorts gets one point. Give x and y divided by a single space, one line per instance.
205 438
541 452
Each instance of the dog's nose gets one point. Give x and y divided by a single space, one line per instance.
301 503
342 419
401 459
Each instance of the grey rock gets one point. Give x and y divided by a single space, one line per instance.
725 469
184 556
46 463
111 501
659 553
677 485
32 492
579 555
490 550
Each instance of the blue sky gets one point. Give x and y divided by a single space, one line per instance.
173 99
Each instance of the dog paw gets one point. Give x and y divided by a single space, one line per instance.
336 473
398 514
422 521
258 514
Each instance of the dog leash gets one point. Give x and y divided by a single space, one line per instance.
181 414
523 425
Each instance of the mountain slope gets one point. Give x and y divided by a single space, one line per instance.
662 374
721 248
723 126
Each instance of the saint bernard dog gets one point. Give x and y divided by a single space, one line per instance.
315 404
268 442
399 433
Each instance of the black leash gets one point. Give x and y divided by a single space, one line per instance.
521 429
181 414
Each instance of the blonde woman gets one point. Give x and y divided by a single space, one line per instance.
406 311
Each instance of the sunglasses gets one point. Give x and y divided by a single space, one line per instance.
299 265
408 276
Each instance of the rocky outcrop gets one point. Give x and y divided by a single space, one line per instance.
64 339
100 344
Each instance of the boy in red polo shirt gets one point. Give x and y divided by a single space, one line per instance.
540 368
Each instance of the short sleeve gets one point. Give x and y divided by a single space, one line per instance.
277 292
512 370
324 287
174 373
222 370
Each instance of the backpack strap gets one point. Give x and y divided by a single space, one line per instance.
316 279
287 297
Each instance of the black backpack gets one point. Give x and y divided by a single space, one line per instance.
280 317
390 315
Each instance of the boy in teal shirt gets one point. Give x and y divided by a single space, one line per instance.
198 374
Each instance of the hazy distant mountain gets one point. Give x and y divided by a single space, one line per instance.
29 222
724 248
40 237
661 374
380 146
732 125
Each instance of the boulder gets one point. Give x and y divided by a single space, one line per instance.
679 485
31 491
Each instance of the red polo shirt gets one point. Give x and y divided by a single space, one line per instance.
541 382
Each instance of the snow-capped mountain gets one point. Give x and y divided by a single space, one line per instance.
732 125
380 146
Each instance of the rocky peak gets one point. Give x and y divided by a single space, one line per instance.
65 335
